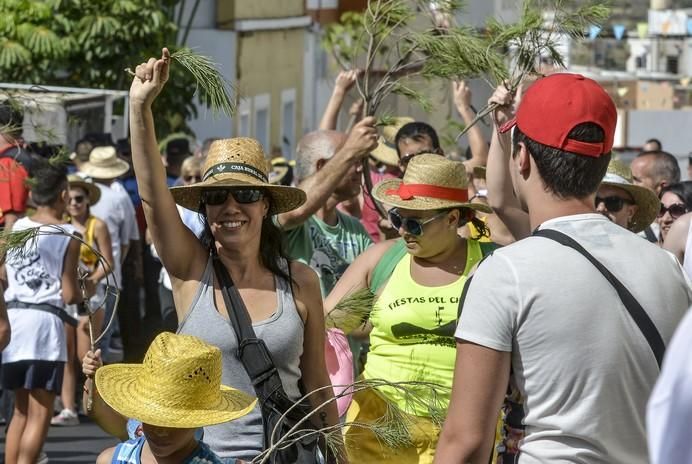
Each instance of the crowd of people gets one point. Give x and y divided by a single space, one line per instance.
517 306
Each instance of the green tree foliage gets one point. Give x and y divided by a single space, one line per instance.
89 43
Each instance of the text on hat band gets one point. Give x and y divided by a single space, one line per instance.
242 168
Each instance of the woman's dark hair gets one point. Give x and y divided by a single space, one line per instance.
567 174
271 242
467 215
416 131
682 190
47 182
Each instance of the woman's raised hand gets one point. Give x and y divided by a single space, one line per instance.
149 79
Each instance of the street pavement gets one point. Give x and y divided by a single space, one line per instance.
78 444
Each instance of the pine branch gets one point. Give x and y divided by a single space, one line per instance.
351 311
394 429
531 39
216 90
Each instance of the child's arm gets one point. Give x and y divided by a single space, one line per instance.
106 456
109 420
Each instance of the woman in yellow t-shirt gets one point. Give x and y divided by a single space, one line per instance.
415 312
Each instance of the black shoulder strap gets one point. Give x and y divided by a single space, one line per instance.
641 318
252 351
235 307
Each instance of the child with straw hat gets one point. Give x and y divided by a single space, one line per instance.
176 390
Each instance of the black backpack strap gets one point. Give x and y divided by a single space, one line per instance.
641 318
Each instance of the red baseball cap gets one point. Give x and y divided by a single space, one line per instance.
555 104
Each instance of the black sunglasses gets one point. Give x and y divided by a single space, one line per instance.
411 225
216 197
77 198
675 210
613 204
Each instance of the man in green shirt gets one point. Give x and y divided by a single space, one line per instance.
328 169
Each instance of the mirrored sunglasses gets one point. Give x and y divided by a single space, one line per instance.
675 210
613 203
215 197
413 226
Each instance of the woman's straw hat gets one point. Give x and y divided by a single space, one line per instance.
178 386
92 190
385 152
619 175
431 182
104 164
237 162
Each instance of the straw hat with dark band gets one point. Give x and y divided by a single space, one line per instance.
431 182
92 190
178 386
240 163
648 204
104 164
385 152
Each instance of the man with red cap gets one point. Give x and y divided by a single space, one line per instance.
574 310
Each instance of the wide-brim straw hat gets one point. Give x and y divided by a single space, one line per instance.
648 205
177 386
431 182
385 152
104 164
238 162
93 192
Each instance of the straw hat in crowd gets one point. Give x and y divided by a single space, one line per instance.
177 386
92 190
385 152
104 164
431 182
619 175
237 162
278 169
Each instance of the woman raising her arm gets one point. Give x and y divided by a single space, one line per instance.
237 203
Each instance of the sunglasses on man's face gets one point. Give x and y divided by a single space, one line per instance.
675 210
613 203
77 199
413 226
217 197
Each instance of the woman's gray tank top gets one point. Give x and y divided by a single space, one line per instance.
283 335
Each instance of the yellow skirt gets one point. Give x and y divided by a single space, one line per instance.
363 446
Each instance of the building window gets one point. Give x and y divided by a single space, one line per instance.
262 121
244 119
288 122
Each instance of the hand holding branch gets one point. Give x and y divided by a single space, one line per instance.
150 77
